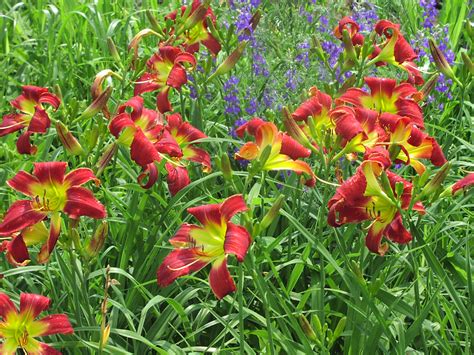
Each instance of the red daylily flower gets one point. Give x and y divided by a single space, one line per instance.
143 131
32 116
165 71
185 135
198 33
352 27
463 184
19 329
362 197
396 50
386 96
357 128
51 192
313 115
284 151
414 144
211 243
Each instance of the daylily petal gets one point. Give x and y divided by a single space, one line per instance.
6 306
54 231
119 123
32 305
20 215
198 155
151 172
396 232
17 252
249 151
12 123
463 184
50 172
40 121
162 102
146 83
8 347
81 202
23 144
177 77
231 206
374 238
178 178
207 213
220 280
237 241
142 151
293 149
79 177
136 103
23 182
182 238
178 263
55 324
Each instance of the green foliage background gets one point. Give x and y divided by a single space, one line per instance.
301 273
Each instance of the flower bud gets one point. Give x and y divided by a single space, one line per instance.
98 239
427 88
113 50
432 187
98 104
226 167
153 21
106 157
307 328
272 213
462 185
230 61
467 63
70 143
440 61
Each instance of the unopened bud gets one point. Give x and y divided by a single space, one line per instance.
113 50
230 61
307 328
70 143
153 21
98 240
105 335
106 157
467 63
272 213
434 186
97 105
226 167
440 61
427 88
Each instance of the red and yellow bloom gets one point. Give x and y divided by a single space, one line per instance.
32 116
166 70
364 197
396 50
414 144
51 192
211 243
386 96
186 136
143 131
352 27
19 329
283 151
195 29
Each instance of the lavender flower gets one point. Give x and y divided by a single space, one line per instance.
365 15
303 56
230 97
